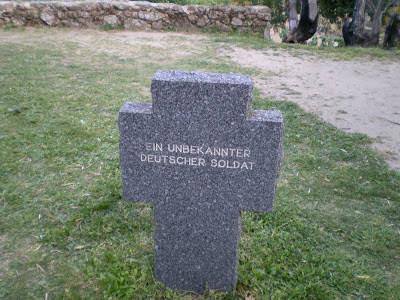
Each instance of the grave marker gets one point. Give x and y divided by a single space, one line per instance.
201 157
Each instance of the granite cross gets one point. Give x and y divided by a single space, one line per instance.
201 157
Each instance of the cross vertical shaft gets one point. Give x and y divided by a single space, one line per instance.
201 157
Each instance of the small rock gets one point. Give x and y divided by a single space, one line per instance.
236 22
215 14
203 21
193 18
319 41
48 17
157 25
111 20
15 110
275 36
150 16
136 24
223 27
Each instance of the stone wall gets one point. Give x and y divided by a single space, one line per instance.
135 15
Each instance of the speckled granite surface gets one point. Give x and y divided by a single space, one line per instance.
201 159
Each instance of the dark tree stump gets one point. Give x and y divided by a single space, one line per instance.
392 32
307 25
347 32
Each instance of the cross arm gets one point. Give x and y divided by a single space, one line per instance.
265 135
134 120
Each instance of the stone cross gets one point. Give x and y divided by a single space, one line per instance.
201 157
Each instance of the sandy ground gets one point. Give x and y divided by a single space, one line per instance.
119 43
356 96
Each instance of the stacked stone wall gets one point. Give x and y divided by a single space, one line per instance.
135 15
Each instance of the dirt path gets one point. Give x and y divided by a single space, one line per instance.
356 96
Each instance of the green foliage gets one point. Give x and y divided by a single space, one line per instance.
333 9
10 26
392 11
279 14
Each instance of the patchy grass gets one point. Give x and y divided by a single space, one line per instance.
108 27
255 41
65 232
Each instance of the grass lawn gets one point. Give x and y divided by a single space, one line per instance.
65 231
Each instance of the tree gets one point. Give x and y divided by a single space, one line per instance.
293 21
306 26
361 32
392 32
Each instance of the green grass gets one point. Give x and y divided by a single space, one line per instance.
66 232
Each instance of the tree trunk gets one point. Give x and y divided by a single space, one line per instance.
293 21
307 25
354 32
377 22
392 32
358 19
347 31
